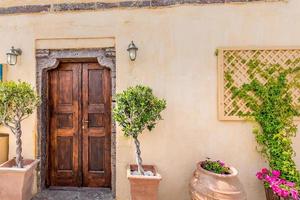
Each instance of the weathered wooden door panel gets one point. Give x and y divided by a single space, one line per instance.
96 125
80 125
64 134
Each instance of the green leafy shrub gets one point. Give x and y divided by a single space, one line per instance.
138 109
18 101
269 100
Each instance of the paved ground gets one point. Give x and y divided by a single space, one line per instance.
74 194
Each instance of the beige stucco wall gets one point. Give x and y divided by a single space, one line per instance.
176 58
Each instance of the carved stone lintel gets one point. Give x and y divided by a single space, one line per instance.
51 58
52 64
106 62
42 53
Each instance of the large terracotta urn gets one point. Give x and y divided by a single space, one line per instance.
206 185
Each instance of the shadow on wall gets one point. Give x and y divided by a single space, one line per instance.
4 140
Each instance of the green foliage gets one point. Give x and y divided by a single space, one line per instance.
217 167
269 99
137 109
17 101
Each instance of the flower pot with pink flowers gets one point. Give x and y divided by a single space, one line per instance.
214 180
277 188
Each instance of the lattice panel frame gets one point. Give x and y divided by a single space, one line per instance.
235 59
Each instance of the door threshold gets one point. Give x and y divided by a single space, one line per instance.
77 188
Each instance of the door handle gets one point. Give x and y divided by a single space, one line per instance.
83 123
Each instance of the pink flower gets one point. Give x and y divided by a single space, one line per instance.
284 193
276 173
282 181
259 175
294 194
269 179
221 163
265 171
275 188
290 184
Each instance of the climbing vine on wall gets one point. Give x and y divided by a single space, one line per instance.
269 102
236 60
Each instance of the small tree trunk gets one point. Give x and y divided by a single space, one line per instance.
139 160
19 159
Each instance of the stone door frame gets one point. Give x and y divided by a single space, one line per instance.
47 59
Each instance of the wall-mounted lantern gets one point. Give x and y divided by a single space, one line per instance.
12 56
132 50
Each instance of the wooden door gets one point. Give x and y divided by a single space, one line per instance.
64 126
96 117
80 125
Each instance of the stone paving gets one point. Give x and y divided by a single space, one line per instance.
74 194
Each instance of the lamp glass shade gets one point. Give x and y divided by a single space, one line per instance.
11 58
132 54
132 50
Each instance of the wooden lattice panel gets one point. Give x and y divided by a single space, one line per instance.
235 61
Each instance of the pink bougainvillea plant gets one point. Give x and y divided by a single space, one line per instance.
280 187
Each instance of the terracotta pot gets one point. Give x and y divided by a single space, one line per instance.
16 183
206 185
144 187
271 196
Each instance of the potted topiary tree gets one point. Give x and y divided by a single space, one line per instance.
138 109
18 101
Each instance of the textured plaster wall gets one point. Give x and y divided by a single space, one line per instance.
176 58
